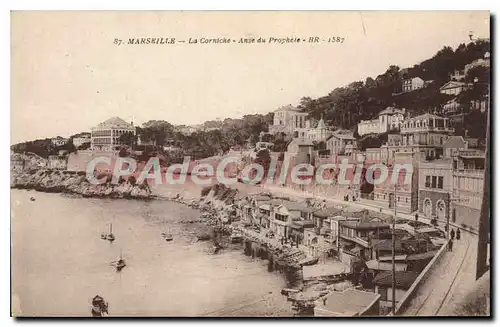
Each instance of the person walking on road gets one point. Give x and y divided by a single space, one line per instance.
458 234
416 217
452 234
450 245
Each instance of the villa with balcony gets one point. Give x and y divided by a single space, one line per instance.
425 133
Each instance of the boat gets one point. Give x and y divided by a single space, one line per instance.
110 237
32 198
99 307
167 236
120 264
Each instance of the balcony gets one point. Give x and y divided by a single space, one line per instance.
469 172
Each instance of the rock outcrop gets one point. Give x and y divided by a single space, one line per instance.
58 181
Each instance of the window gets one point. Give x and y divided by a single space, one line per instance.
434 181
440 182
427 181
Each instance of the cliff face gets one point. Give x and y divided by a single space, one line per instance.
57 181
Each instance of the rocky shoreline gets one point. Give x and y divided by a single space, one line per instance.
217 205
58 181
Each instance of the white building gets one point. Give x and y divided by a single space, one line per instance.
78 141
289 120
453 88
412 84
388 119
58 141
106 135
320 133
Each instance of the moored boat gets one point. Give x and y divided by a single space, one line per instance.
99 307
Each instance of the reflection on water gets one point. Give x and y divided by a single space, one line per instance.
59 262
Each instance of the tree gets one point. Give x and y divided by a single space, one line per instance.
84 146
128 138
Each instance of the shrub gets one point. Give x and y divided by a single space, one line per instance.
132 180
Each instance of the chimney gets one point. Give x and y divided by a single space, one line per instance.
132 123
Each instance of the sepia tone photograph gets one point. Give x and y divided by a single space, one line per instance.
250 164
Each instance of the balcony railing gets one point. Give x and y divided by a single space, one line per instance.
473 172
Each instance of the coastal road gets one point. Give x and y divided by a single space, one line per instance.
448 282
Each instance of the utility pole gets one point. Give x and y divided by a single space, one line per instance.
394 253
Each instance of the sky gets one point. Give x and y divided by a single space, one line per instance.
67 75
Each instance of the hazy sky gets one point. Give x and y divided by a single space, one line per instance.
67 75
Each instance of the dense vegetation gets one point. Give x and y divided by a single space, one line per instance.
343 107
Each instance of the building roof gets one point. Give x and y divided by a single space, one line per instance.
327 212
350 302
387 266
364 225
390 111
289 108
115 122
426 116
298 224
452 85
291 205
404 279
455 142
421 256
302 142
342 135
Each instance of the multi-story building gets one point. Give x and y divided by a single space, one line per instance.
289 120
388 119
400 187
425 133
435 188
356 235
341 143
468 183
106 135
319 134
412 84
451 106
